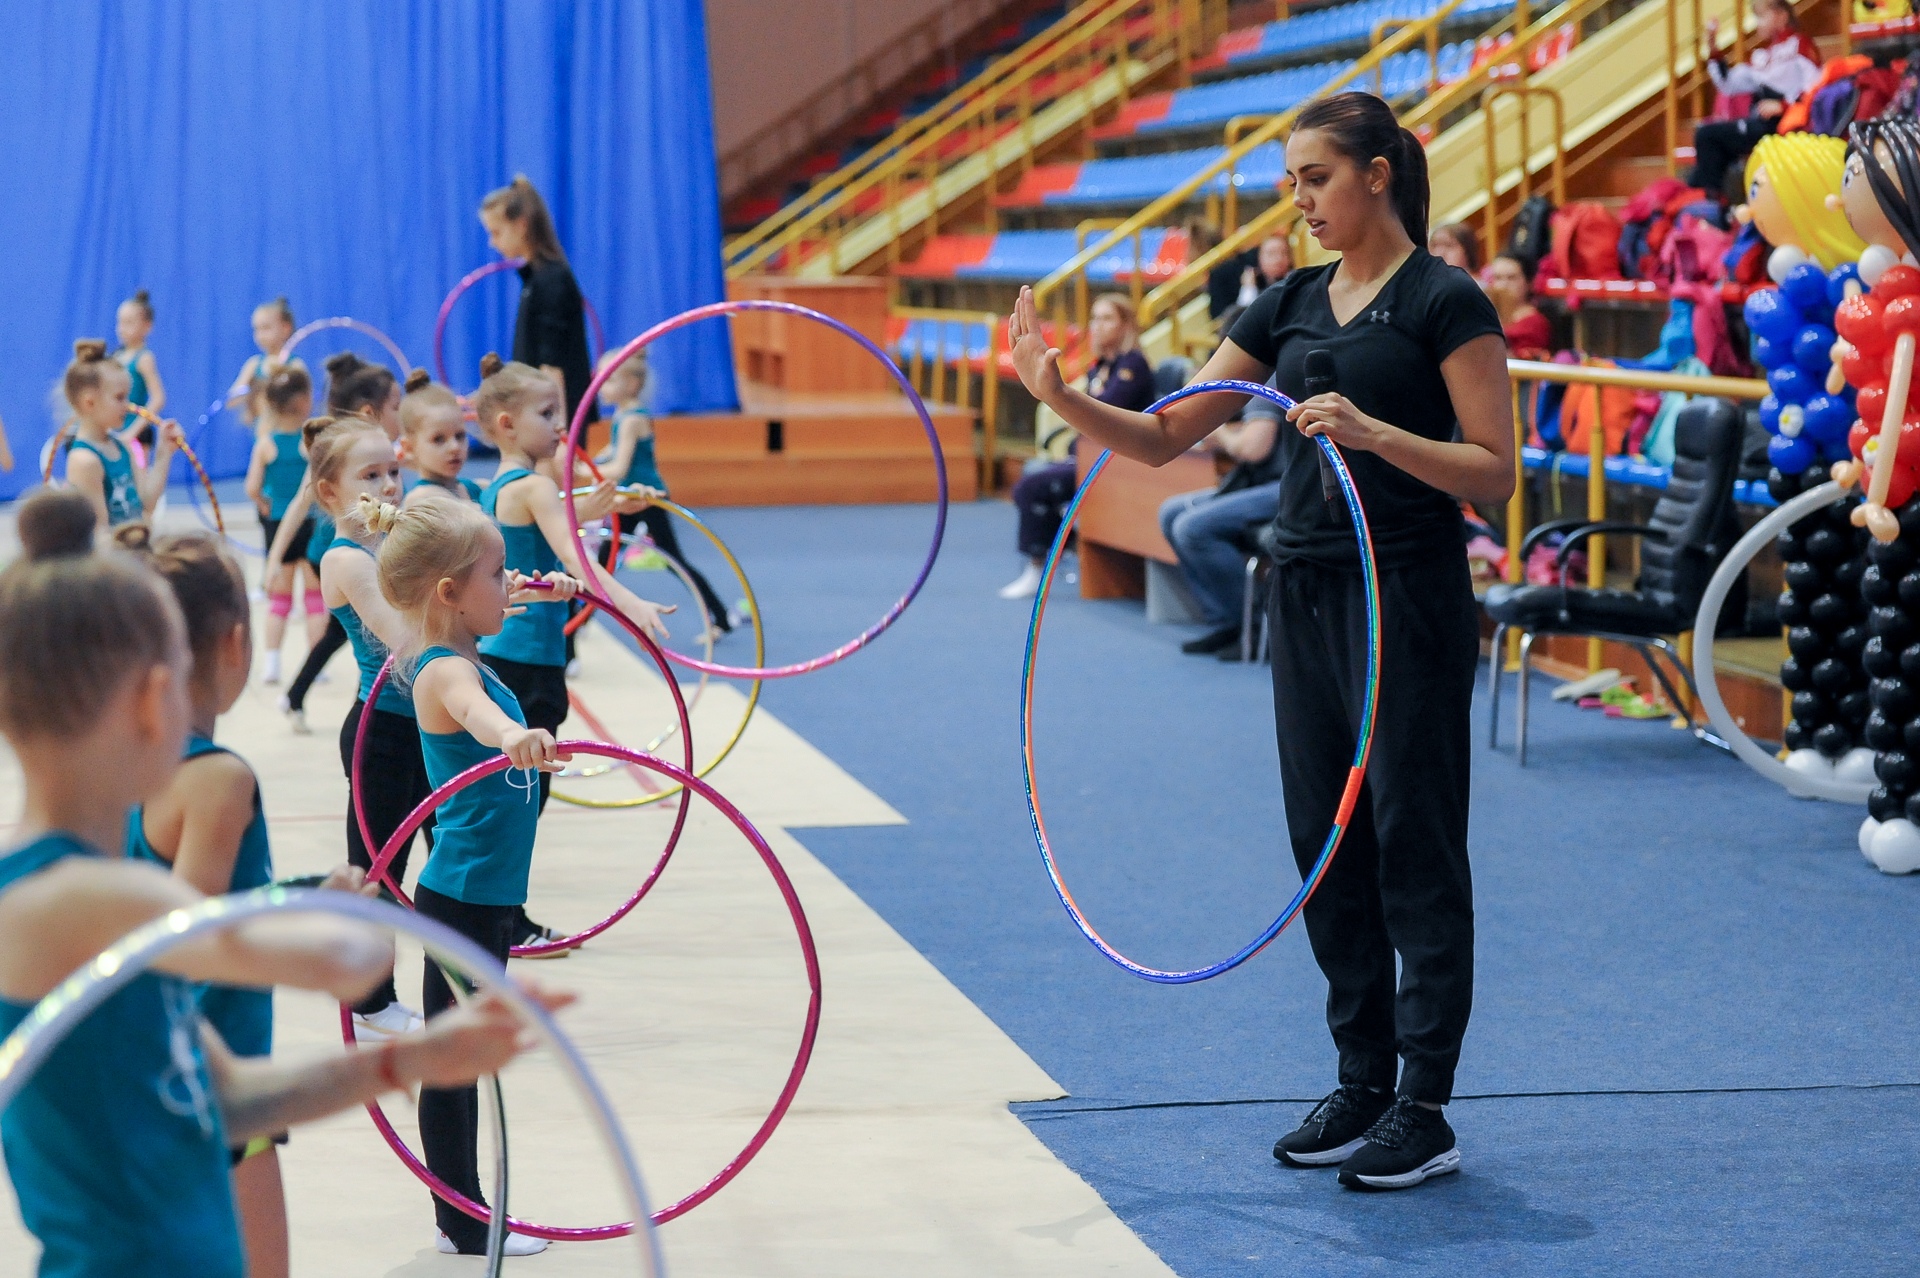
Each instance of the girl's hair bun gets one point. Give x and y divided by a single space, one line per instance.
311 429
56 522
379 516
141 296
419 379
135 536
89 349
491 363
340 363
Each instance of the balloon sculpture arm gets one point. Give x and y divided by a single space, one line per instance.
1880 521
261 1097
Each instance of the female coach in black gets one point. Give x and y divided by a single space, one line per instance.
1422 413
550 330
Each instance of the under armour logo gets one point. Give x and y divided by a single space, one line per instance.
1377 317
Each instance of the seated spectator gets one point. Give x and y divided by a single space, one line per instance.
1206 528
1784 64
1240 279
1529 333
1120 376
1456 244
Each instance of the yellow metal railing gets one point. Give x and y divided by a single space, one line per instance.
1525 93
1089 42
930 376
1053 288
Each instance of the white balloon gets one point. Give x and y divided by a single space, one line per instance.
1896 847
1868 828
1793 419
1782 260
1875 262
1855 767
1810 763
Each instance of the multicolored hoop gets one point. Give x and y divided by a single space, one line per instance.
809 954
35 1038
305 331
713 311
1357 773
384 857
473 277
706 669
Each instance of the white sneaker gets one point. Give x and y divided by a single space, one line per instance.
391 1020
297 719
1023 586
516 1245
272 674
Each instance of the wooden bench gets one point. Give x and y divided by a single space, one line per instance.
1119 524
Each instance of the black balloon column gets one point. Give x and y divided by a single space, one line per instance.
1891 589
1829 626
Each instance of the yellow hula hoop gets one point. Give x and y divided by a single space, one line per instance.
753 694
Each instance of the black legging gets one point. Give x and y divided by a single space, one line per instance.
450 1116
393 779
1400 881
1720 144
660 529
317 658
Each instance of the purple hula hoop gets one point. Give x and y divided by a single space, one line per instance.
809 953
393 350
473 277
710 311
384 857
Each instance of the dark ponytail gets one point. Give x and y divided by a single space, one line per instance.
1362 127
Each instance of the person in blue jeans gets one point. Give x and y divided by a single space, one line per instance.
1207 528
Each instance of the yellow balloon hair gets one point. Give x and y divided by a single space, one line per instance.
1804 169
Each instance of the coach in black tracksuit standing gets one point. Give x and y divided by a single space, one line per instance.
1422 413
550 328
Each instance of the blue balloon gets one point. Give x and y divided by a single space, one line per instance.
1837 282
1828 418
1805 286
1813 349
1770 414
1771 316
1790 385
1768 353
1790 456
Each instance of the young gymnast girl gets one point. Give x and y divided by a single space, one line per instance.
433 438
118 1146
632 459
443 566
133 325
208 826
275 474
98 464
348 458
354 388
272 327
519 407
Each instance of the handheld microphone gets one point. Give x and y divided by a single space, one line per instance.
1321 379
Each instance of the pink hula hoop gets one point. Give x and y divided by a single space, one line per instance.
712 311
809 953
473 277
398 840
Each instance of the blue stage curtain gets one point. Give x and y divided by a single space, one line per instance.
336 151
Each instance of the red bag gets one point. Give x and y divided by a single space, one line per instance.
1586 243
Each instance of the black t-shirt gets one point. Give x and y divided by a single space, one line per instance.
1387 360
551 328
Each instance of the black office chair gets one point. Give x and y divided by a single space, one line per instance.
1693 527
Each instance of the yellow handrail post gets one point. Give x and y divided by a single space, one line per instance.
1026 125
1516 525
1525 94
1596 511
1672 91
990 403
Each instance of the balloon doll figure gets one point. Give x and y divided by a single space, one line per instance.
1809 412
1880 193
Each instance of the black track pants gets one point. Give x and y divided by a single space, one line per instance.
1400 881
393 779
450 1116
318 656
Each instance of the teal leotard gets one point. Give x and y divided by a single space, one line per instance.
243 1016
368 651
643 469
538 636
138 391
284 473
122 489
483 835
115 1148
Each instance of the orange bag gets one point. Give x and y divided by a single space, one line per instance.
1612 406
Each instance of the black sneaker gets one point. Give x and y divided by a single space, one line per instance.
1213 641
1335 1129
1407 1145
